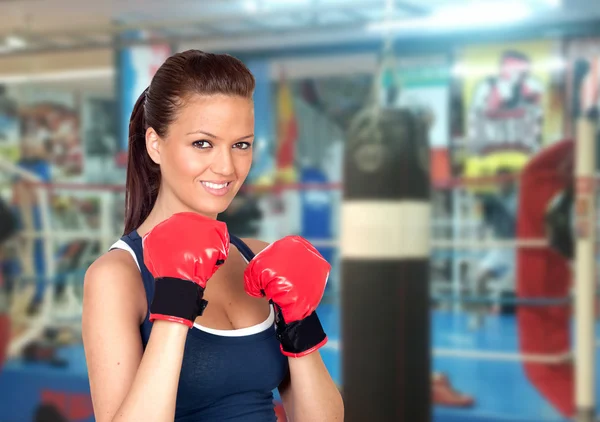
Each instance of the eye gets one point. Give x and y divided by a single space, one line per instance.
202 144
242 145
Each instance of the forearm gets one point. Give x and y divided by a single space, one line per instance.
313 394
154 390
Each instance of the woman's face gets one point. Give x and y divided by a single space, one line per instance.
206 154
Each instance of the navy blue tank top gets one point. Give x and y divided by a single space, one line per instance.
226 375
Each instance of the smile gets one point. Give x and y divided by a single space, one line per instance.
217 189
216 185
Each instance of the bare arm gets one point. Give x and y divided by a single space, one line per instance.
308 393
126 383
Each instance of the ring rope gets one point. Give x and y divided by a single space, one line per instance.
458 244
275 187
526 302
552 359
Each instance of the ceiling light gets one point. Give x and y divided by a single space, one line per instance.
14 42
553 3
470 16
250 6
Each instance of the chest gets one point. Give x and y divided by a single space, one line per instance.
229 306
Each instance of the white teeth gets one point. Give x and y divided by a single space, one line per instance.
214 185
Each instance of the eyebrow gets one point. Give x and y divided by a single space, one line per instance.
215 136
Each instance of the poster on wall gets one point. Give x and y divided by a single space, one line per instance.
425 87
512 106
50 131
137 66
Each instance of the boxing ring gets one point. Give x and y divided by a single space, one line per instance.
71 225
482 358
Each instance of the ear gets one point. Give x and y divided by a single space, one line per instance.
153 145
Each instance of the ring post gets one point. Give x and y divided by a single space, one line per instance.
585 269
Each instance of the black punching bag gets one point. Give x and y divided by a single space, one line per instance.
385 263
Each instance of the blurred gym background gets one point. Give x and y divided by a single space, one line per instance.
496 82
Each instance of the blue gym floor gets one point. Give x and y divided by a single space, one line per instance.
500 389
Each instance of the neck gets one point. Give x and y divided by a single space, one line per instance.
165 206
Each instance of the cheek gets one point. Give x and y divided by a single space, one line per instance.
243 164
186 163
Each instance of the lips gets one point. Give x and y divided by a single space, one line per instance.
216 188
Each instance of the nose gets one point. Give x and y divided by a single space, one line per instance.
223 162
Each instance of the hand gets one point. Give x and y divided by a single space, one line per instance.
292 275
182 253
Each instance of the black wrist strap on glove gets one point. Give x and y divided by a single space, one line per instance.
299 338
178 298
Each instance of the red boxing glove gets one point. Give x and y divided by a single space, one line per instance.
292 274
182 253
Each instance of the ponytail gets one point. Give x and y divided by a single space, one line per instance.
143 174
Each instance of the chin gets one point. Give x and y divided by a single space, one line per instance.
212 206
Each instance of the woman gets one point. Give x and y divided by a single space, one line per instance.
176 324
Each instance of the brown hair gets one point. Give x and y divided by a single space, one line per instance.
180 76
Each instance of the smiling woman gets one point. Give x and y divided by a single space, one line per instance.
191 121
203 169
177 325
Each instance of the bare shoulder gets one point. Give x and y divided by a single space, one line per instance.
114 277
255 245
114 263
